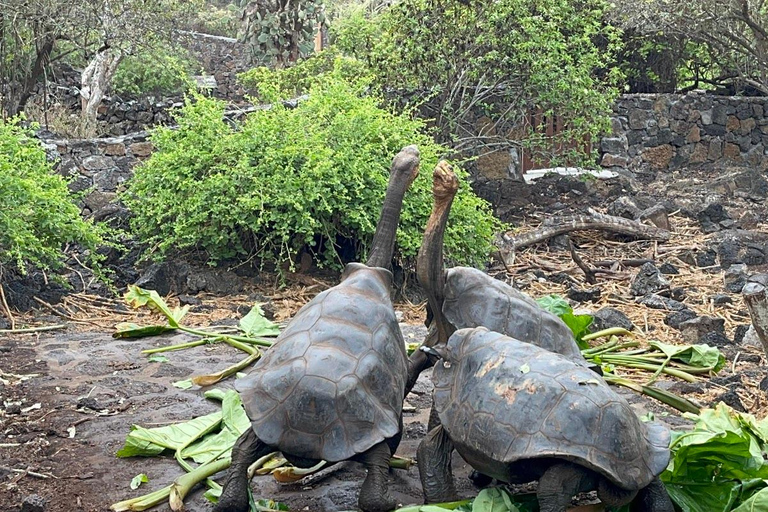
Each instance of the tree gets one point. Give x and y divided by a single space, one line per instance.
103 30
732 37
504 57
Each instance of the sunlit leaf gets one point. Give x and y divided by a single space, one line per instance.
139 479
257 325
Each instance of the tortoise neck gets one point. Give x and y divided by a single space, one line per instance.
429 265
383 245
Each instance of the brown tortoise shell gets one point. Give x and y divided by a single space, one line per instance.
503 401
475 299
332 385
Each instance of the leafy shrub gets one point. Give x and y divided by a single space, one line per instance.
159 72
313 176
217 21
37 215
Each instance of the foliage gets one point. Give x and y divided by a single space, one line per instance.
503 58
719 465
37 214
286 180
579 324
153 72
278 32
719 43
216 20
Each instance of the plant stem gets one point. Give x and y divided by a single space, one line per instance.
180 346
213 378
613 331
245 339
34 329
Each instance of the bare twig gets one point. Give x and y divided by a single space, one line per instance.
589 273
6 308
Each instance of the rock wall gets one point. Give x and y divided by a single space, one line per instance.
664 132
100 166
221 57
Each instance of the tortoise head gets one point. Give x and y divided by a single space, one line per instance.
405 166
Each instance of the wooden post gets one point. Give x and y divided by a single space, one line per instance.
756 299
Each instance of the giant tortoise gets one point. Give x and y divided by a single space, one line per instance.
331 388
519 413
467 297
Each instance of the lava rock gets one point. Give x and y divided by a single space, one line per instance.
668 269
706 258
4 324
657 214
560 278
735 277
715 339
721 298
740 332
694 329
87 402
188 300
648 280
728 381
164 277
675 318
763 384
710 217
655 301
13 409
606 318
731 399
624 207
579 295
33 503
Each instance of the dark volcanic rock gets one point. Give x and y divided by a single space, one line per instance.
675 318
648 280
33 503
731 399
693 330
188 300
655 301
668 269
721 298
716 339
740 246
740 332
624 207
164 277
711 216
610 317
735 277
580 295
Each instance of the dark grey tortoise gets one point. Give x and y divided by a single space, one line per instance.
466 297
519 413
331 388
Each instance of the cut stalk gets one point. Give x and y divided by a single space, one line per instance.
245 339
181 346
213 378
671 399
613 331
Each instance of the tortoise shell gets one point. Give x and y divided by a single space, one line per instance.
475 299
508 405
332 385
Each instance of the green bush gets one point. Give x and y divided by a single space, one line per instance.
313 176
159 72
37 215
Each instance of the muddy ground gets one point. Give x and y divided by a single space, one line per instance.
68 399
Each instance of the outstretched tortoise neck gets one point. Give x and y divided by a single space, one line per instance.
405 168
429 262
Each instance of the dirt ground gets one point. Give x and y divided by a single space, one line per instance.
69 397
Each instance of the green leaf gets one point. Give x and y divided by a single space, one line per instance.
233 413
139 479
262 505
137 297
183 384
579 325
493 500
143 442
157 358
256 325
555 304
525 368
131 330
758 502
211 446
702 356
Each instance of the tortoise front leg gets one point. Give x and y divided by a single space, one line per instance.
374 495
560 483
434 461
652 498
248 448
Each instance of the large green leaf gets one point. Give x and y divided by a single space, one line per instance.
493 500
757 503
144 442
256 324
137 297
555 304
233 413
211 447
131 330
702 356
579 326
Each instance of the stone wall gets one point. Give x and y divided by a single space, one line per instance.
100 165
221 57
663 132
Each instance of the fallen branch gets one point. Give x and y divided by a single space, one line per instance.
756 299
589 273
555 226
6 309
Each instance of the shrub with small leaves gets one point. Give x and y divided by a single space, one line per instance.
159 72
287 180
37 215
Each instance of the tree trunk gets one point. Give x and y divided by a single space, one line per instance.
95 81
755 295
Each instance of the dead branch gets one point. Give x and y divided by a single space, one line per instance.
756 299
589 273
555 226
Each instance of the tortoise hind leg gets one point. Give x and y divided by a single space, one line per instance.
652 498
478 479
248 448
434 461
374 495
561 482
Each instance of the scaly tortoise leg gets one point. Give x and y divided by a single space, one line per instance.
652 498
560 483
434 461
248 448
374 495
